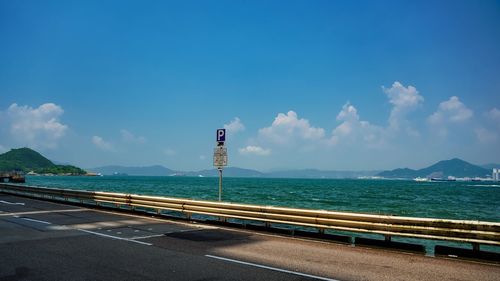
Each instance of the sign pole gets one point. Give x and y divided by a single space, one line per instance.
220 156
220 184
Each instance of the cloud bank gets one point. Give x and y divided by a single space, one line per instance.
128 137
404 100
234 126
100 143
254 150
453 124
288 127
452 110
36 127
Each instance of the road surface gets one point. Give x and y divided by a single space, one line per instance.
42 240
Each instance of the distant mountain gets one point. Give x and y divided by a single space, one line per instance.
228 172
304 173
313 173
26 160
454 167
404 173
155 170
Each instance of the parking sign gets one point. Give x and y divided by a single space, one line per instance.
221 135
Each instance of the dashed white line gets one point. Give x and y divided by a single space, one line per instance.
11 203
272 268
146 237
33 220
99 234
114 237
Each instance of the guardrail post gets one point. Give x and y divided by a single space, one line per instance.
321 231
352 240
387 238
268 224
475 247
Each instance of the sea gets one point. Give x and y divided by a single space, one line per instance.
443 200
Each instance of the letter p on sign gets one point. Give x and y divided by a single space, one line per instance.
221 135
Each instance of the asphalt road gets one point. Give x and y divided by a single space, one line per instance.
47 241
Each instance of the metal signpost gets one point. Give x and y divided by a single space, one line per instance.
220 156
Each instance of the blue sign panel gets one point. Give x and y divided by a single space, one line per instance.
221 135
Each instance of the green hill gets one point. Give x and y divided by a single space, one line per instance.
453 167
26 160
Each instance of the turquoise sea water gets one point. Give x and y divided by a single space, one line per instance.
446 200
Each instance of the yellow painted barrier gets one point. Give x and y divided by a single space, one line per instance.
476 232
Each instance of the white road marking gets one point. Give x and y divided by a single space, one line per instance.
96 233
146 237
113 237
41 212
272 268
33 220
11 203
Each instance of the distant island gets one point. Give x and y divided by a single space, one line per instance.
29 161
443 169
237 172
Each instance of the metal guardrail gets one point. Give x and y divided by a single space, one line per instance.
467 231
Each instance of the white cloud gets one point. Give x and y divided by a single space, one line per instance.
404 100
254 150
2 149
490 131
288 127
234 126
486 136
101 143
36 127
127 136
353 129
448 115
494 115
349 117
169 152
452 110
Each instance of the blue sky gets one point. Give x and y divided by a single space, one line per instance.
346 85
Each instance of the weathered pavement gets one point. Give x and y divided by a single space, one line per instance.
48 241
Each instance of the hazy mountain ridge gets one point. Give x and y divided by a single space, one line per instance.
229 172
154 170
158 170
454 167
315 173
26 159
